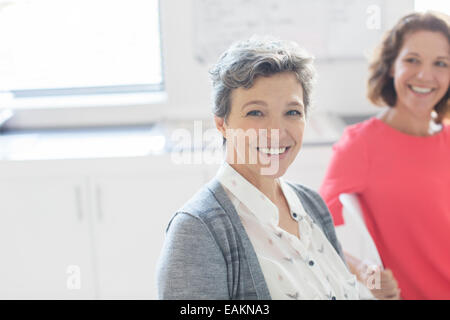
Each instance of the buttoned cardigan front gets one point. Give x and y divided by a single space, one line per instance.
207 253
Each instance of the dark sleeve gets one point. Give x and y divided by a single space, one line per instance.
191 265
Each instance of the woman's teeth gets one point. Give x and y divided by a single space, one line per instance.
272 150
420 89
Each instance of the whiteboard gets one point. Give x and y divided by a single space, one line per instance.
328 29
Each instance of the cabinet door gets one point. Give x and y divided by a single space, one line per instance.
132 214
44 240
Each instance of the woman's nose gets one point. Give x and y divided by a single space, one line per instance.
425 73
276 129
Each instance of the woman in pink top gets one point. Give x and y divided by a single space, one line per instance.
398 163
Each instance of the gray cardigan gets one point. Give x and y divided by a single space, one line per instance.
207 253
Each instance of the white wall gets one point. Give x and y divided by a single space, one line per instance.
340 87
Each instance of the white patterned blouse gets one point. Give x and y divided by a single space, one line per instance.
305 268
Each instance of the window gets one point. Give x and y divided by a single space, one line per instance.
58 52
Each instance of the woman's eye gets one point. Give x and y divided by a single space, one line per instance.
412 60
256 113
294 113
441 64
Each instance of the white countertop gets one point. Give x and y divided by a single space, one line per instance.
321 129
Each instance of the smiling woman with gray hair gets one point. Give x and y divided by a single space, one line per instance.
248 234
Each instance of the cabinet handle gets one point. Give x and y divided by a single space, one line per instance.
98 198
78 202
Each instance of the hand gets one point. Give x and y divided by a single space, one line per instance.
381 282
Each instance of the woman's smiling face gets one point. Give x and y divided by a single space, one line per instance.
271 119
421 72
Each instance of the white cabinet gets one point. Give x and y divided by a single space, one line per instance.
131 214
101 221
88 229
45 240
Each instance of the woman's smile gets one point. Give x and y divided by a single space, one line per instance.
273 153
268 121
421 91
421 72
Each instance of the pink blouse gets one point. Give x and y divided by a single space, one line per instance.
403 184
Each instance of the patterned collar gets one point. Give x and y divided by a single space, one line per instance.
260 205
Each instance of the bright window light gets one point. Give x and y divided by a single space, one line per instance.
434 5
62 45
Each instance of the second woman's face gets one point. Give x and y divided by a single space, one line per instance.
421 72
270 116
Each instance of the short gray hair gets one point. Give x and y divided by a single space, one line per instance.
246 60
